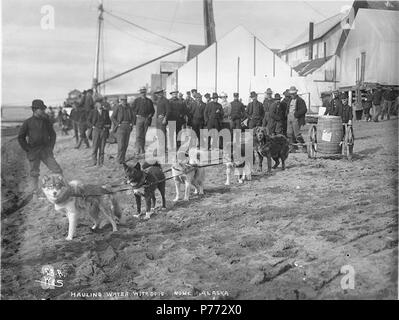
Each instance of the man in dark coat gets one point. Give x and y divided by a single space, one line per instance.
213 116
377 100
162 111
255 111
295 116
284 111
81 115
344 110
123 119
40 143
275 118
178 113
143 108
237 112
89 101
198 116
74 116
100 122
267 103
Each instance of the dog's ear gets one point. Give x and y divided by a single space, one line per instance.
137 166
45 178
125 166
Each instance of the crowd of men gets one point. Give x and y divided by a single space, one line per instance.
90 119
376 104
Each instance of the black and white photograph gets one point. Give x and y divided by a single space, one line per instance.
215 151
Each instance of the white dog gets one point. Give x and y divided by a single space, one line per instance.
188 171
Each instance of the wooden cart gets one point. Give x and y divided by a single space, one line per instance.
346 144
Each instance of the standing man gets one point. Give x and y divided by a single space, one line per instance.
100 122
377 99
389 99
237 112
213 116
345 112
143 108
177 112
122 118
284 105
198 116
74 116
274 116
191 106
40 144
162 111
296 116
255 111
267 103
367 105
89 101
82 126
226 111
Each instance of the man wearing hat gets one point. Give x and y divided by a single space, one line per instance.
274 125
162 111
89 101
123 120
377 99
81 116
284 110
226 110
213 116
296 116
100 123
191 106
267 103
178 113
143 108
327 103
207 97
255 111
237 112
198 116
40 143
344 110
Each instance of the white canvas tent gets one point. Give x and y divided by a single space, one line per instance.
375 33
238 62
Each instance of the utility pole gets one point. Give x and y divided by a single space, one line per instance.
209 23
97 56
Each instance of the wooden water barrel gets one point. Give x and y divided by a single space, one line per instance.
329 134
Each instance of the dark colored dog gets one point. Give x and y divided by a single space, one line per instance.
144 182
274 147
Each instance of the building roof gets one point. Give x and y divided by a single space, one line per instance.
194 50
309 67
319 30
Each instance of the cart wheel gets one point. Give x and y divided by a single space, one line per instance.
312 144
349 142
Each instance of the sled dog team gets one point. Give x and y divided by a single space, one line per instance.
70 198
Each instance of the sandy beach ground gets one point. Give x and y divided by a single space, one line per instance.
283 236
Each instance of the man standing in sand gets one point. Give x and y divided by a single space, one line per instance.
40 144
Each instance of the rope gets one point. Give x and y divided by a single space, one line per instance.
142 28
194 167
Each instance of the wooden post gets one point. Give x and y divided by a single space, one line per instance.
238 75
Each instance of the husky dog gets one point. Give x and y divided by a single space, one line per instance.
75 199
188 172
242 167
274 147
144 181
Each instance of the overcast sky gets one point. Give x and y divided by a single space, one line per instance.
47 64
